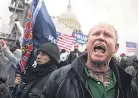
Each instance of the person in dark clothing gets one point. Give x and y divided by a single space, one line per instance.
95 73
48 56
74 54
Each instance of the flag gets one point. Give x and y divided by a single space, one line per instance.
39 29
132 47
27 43
66 42
43 27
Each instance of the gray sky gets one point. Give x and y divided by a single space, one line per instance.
122 14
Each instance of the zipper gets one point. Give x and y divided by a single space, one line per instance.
77 88
118 93
82 90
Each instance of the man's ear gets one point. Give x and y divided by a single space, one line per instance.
116 48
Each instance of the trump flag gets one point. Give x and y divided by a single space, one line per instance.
43 27
39 29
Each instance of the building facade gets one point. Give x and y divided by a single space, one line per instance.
67 23
19 9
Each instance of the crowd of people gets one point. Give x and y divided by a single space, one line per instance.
94 73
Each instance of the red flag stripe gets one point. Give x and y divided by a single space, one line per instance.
66 42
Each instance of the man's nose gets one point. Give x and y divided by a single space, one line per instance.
101 37
38 56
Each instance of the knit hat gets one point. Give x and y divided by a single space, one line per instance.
52 50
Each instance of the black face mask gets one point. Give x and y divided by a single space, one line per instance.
49 63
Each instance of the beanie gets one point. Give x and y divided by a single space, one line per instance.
51 49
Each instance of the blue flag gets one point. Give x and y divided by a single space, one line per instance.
43 27
39 29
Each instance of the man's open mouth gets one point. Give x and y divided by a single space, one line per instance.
100 48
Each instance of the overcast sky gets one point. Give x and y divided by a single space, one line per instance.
123 14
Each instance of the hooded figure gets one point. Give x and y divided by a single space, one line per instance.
48 56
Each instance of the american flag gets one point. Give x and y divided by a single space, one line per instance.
66 42
132 47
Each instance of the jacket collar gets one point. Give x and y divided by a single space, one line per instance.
78 67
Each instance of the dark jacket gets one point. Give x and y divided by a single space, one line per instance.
35 78
71 81
4 88
4 91
72 56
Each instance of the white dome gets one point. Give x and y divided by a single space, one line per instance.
68 15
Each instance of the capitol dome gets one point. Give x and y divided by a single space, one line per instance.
69 18
68 15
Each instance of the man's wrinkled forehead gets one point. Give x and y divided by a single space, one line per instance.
105 27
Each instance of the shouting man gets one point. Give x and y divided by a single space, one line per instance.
94 74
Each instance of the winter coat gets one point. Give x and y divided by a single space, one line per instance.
11 66
34 80
131 70
71 81
4 88
3 67
4 91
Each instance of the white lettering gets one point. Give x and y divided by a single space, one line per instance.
51 39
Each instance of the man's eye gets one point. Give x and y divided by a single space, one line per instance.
106 34
95 34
